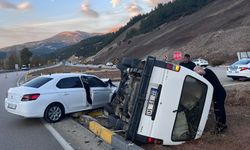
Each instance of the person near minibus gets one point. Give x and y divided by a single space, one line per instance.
219 97
187 62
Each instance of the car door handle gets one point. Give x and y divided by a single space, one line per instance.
65 94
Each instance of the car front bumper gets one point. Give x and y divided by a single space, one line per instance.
24 109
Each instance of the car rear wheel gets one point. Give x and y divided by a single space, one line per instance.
54 113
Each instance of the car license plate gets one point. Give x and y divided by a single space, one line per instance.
11 106
151 101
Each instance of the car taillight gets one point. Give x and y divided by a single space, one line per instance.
243 68
154 141
173 67
30 97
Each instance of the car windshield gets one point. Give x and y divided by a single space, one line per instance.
242 62
37 82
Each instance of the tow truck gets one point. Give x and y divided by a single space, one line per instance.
160 102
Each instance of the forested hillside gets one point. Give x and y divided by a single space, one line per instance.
163 13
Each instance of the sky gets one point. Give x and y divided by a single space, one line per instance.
31 20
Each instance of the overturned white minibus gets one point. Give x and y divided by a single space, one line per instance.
160 102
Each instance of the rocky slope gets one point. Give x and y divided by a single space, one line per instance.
216 33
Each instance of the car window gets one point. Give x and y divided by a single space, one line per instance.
242 62
93 81
37 82
189 110
71 82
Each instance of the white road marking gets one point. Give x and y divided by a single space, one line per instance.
57 136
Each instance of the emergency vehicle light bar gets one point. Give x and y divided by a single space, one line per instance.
173 67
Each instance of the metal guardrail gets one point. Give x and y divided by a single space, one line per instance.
243 55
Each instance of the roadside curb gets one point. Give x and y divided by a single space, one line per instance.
115 140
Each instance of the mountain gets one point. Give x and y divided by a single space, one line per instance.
138 25
214 32
51 44
108 47
92 45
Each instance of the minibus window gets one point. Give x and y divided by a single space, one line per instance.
189 110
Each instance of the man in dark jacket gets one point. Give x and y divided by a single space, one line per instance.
219 96
187 62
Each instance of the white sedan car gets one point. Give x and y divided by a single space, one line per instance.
200 62
240 69
53 96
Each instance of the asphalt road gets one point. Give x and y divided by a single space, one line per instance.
28 134
17 133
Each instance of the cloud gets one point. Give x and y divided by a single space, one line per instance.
21 6
24 5
154 3
134 9
6 5
115 2
88 11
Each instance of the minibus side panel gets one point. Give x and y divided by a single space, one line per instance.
172 86
156 106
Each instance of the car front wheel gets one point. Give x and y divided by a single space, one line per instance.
54 113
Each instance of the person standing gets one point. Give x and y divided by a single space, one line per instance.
187 62
219 97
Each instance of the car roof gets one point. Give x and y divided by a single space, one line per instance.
63 75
